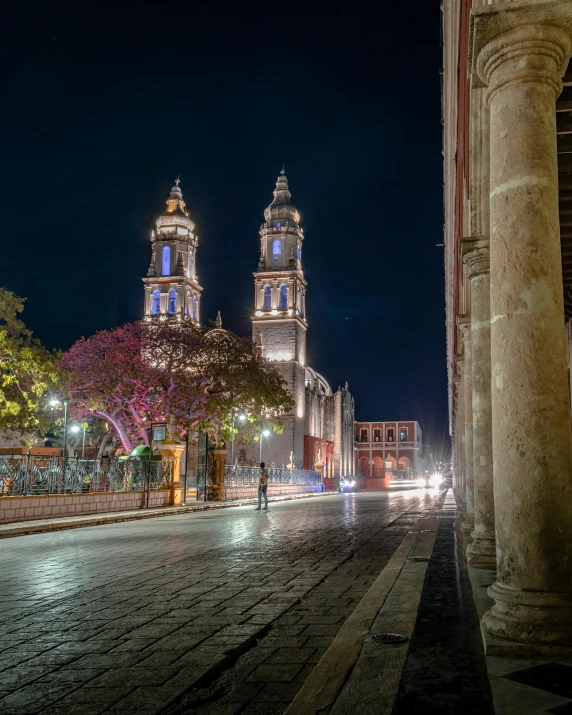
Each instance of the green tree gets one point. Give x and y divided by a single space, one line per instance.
28 371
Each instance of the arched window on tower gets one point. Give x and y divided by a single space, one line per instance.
299 252
194 307
156 305
166 261
283 296
302 303
172 301
276 251
267 298
190 266
188 306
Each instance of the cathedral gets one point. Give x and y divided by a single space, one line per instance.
322 422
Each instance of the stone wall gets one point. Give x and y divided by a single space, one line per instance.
63 505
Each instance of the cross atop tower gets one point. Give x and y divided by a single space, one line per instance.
283 170
178 180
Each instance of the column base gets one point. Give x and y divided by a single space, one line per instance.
482 550
177 496
529 622
468 524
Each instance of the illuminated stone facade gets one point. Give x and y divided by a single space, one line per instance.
321 422
171 285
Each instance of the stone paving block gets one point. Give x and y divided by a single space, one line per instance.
74 709
107 660
79 677
29 698
17 677
291 655
84 647
148 699
275 673
96 696
131 644
133 677
278 692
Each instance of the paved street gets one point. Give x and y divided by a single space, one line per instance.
219 612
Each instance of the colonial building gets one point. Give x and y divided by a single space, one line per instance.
321 423
384 449
507 116
171 285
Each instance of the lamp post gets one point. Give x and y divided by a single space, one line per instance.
75 429
263 433
54 403
241 417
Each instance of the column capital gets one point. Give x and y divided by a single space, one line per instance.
464 325
515 44
476 255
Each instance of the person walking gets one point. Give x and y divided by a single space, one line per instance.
262 486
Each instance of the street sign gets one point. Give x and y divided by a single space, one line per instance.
159 433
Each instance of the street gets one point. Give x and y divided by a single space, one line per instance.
224 612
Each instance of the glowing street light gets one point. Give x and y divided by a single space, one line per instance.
55 402
241 417
75 429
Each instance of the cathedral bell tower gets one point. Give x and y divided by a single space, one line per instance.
171 285
279 320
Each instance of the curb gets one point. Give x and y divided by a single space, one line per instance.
11 530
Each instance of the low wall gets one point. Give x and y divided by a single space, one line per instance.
273 490
54 505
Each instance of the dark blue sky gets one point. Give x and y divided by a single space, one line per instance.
106 103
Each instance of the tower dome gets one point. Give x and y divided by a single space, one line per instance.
281 212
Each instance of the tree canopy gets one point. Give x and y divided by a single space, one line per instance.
28 372
174 372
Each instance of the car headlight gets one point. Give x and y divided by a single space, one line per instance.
435 480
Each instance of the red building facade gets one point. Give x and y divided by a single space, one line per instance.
387 449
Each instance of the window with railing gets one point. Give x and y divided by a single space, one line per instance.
403 434
363 435
390 435
377 435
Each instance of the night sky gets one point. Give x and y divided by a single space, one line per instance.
104 104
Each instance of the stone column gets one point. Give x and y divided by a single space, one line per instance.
464 324
476 256
171 455
456 440
460 367
522 67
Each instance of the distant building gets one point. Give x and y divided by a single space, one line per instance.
383 448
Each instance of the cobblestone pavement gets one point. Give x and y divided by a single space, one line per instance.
218 612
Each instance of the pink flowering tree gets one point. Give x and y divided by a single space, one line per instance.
167 371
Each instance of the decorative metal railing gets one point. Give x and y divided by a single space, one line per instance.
30 474
235 476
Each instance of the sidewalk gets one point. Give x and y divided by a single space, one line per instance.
37 526
424 594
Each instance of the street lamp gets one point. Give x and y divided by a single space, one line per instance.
75 429
263 433
241 417
54 402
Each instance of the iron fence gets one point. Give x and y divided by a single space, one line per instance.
236 476
30 474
